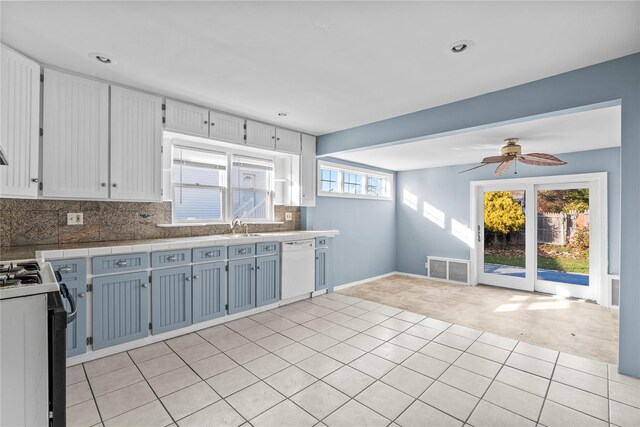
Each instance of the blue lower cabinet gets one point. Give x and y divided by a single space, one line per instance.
170 299
120 309
323 271
209 293
267 280
74 276
242 285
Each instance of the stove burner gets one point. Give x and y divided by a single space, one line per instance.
22 273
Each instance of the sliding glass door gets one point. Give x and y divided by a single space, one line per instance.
541 236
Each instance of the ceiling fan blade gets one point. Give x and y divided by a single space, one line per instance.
475 167
494 159
503 167
541 159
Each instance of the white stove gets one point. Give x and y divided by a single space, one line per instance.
26 277
33 324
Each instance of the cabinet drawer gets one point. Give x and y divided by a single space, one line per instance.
170 258
214 253
323 242
270 248
111 264
71 269
242 251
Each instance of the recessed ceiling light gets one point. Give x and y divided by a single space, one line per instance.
461 46
101 58
283 114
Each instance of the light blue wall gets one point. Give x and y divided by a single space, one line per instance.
615 80
445 189
366 244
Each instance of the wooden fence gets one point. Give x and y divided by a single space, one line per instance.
557 228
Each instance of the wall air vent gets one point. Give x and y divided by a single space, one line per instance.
449 269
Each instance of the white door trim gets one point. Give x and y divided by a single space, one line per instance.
599 219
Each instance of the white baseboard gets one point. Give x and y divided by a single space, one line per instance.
359 282
417 276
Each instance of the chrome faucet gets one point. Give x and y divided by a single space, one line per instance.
236 222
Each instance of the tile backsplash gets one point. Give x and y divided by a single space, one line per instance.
44 222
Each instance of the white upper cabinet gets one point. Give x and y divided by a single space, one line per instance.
224 127
287 141
75 144
136 145
308 171
187 118
19 124
261 135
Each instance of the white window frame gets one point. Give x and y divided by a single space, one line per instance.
364 172
223 189
227 199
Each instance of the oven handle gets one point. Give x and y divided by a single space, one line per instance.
71 316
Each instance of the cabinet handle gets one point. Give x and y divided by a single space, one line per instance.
277 139
187 279
273 137
114 185
317 257
35 180
253 268
242 251
82 295
213 124
121 263
208 254
65 269
195 277
144 285
205 122
103 184
258 268
172 258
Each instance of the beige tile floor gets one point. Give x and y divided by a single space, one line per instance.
338 360
565 324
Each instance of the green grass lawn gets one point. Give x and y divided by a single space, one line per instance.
557 264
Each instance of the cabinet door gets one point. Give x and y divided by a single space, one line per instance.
187 118
136 145
170 299
74 275
323 273
242 285
19 124
261 135
267 280
287 141
120 309
209 296
308 171
75 145
225 127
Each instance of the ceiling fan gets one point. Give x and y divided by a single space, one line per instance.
512 152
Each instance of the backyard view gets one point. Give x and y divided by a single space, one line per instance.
562 234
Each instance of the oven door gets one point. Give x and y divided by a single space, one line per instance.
57 337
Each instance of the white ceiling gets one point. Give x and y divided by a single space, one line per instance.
588 130
331 65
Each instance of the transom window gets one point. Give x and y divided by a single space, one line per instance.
339 180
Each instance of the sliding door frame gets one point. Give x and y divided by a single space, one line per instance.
598 203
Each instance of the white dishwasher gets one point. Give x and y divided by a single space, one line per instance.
298 268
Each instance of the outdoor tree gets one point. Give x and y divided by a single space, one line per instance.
502 214
563 201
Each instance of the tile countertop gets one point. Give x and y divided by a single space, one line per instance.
128 246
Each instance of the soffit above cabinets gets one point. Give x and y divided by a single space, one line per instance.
329 65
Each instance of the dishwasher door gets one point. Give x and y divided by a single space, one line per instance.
298 268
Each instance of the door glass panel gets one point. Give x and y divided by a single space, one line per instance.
504 233
563 236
